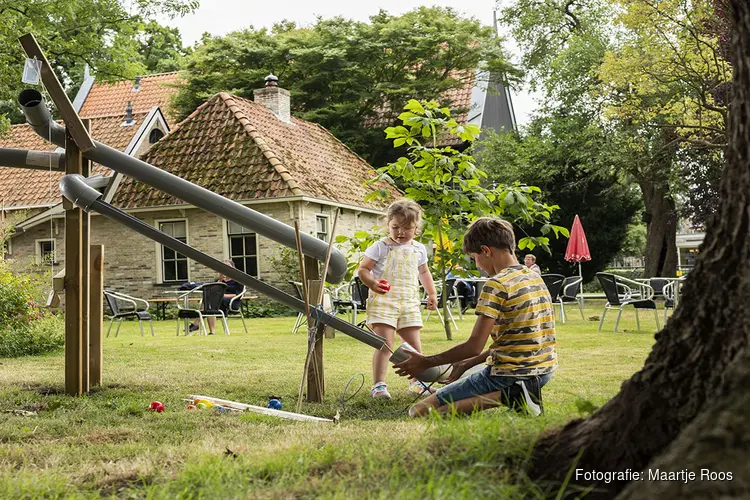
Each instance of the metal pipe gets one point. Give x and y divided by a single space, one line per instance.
74 188
39 118
36 160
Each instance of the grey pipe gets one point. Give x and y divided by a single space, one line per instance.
74 188
39 118
37 160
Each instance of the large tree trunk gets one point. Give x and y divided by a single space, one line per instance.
661 245
689 405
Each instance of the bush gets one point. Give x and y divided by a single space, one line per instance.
268 309
40 336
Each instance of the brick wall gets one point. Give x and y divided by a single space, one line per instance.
132 261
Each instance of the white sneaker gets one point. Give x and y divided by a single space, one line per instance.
380 390
419 387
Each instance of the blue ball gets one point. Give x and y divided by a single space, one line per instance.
275 404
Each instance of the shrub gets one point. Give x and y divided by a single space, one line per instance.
40 336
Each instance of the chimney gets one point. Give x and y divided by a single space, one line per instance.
129 122
274 98
137 86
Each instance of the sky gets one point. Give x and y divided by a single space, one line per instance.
219 17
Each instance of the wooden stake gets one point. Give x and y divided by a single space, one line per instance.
96 313
85 279
329 332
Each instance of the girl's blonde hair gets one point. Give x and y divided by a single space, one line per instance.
407 210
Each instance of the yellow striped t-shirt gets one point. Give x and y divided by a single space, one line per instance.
523 336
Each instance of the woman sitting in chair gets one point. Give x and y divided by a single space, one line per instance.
233 289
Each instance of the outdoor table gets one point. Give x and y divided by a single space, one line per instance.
186 298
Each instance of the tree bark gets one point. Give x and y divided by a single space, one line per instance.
661 245
689 405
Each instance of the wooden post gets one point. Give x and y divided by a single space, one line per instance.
96 314
73 277
85 279
315 374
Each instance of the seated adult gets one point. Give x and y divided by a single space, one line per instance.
530 262
465 289
233 289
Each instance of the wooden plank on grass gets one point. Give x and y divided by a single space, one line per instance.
263 411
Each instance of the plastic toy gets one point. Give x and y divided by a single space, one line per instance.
206 404
191 407
201 406
156 406
274 403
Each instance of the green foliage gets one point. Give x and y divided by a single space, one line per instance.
569 159
342 73
161 48
262 308
105 34
45 334
286 266
24 328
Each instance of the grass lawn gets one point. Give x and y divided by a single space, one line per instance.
108 444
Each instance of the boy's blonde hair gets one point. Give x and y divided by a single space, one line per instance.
407 210
491 232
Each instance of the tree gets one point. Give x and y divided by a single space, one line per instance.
161 48
73 33
688 407
452 191
344 74
568 158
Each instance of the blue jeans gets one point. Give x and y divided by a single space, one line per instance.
479 384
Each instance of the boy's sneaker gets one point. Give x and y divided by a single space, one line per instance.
419 387
525 396
380 390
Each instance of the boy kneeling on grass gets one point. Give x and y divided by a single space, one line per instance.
514 308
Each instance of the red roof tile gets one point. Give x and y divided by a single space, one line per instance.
457 99
25 187
111 98
241 150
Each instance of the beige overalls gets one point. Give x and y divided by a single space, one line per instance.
399 307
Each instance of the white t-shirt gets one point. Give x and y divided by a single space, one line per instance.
379 250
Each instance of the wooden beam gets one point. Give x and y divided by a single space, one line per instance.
96 315
85 278
73 278
72 121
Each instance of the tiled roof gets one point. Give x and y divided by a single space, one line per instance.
241 150
457 99
111 98
26 187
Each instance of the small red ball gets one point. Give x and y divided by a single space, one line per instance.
385 285
156 406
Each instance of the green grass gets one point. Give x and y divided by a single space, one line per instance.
108 444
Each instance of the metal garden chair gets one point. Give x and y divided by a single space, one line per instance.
554 283
139 310
210 305
619 292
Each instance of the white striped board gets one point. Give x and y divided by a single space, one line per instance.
263 411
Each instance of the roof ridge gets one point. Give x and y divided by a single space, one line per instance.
255 135
114 115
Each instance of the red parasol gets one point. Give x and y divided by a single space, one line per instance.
578 247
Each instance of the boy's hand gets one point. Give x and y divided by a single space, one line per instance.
380 287
432 302
414 365
456 372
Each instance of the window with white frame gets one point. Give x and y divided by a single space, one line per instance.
174 265
321 227
243 248
45 251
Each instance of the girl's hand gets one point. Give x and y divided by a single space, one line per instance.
379 287
432 302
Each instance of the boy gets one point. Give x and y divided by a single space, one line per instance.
514 308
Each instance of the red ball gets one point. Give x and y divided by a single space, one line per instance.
190 407
385 285
156 406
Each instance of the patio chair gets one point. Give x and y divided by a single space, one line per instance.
669 302
619 292
554 283
571 292
356 299
135 308
210 306
235 307
454 300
